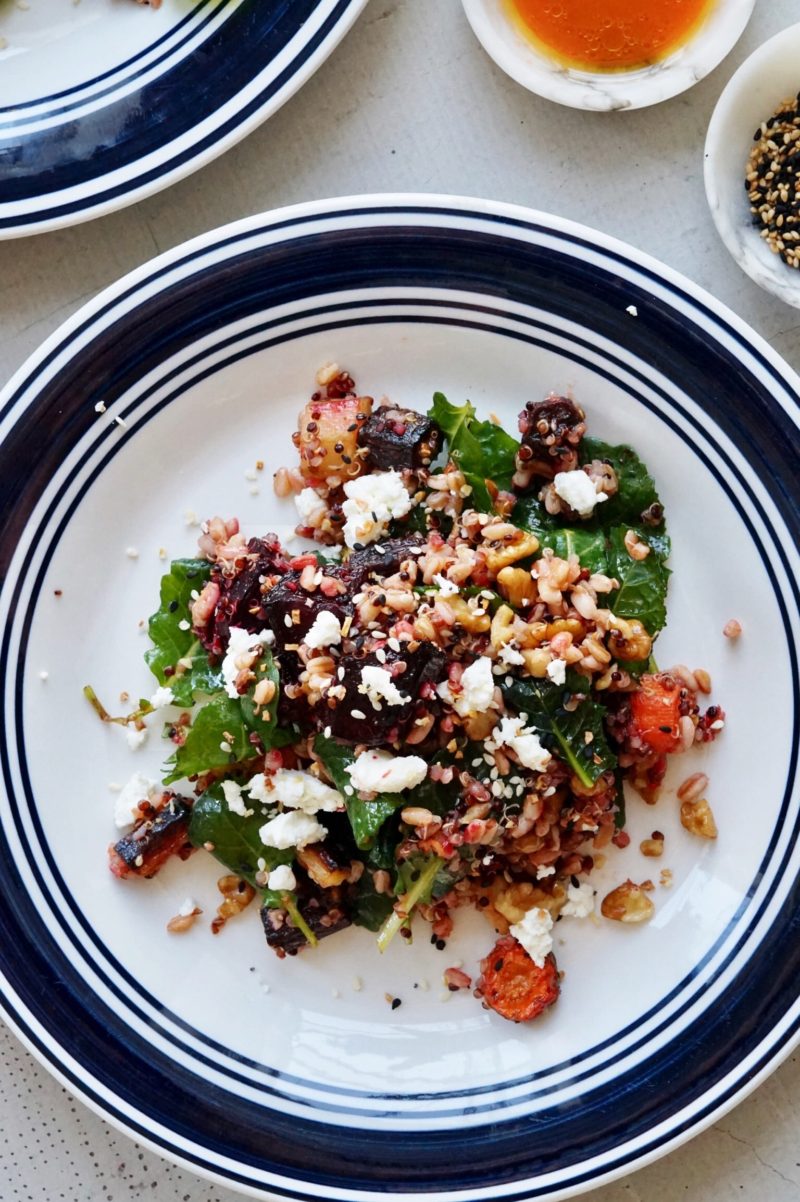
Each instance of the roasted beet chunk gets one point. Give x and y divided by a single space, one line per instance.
355 717
153 841
240 592
324 910
290 610
551 434
381 560
399 438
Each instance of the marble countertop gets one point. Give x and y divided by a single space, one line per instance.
409 102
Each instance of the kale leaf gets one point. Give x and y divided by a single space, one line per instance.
564 731
230 721
643 582
481 450
236 841
171 643
370 909
637 489
366 817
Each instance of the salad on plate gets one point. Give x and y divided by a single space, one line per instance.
438 704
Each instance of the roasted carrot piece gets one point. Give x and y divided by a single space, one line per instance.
513 985
655 710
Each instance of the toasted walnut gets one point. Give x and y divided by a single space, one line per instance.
627 903
628 639
510 550
237 894
517 586
697 818
536 661
474 619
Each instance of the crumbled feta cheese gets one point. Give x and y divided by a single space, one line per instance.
580 901
579 492
44 674
298 790
544 870
513 733
241 645
533 932
292 829
378 685
510 656
134 738
477 689
132 552
325 631
188 907
233 796
448 588
557 671
138 788
311 508
282 879
372 501
161 698
634 312
382 772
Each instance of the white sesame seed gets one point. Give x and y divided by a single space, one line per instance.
225 746
359 714
358 984
132 552
184 625
43 675
190 518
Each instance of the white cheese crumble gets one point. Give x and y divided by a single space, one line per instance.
512 732
477 689
282 879
233 796
557 671
533 932
134 738
298 790
378 685
292 829
634 312
241 645
372 501
382 772
447 588
138 788
580 901
161 698
510 656
188 907
324 632
578 491
310 507
544 870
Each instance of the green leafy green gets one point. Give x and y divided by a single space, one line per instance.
171 643
370 909
643 582
564 731
218 722
637 489
236 841
481 450
366 817
262 718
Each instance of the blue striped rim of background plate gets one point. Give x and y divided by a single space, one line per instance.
120 131
319 264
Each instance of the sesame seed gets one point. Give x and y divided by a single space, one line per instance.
132 552
43 675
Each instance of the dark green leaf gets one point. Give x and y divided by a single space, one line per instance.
416 869
637 490
481 450
563 731
370 909
219 721
643 582
236 840
171 643
382 852
263 719
366 817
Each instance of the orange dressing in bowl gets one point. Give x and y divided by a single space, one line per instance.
610 35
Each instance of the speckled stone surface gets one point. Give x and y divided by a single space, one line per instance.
409 102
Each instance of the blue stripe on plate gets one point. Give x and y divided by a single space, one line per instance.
499 1152
150 119
56 102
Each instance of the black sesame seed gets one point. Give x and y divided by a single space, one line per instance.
396 1002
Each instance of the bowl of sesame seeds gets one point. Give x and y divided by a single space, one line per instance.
752 166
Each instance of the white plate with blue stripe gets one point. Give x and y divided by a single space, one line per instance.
295 1079
105 102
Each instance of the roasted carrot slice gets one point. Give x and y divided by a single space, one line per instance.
515 987
655 710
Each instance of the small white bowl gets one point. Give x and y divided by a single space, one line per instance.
606 91
771 74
